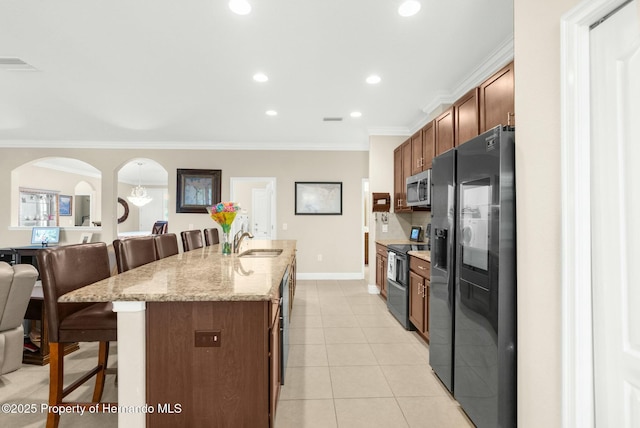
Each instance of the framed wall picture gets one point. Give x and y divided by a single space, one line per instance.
197 189
318 198
64 204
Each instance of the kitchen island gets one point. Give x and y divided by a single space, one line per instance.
199 336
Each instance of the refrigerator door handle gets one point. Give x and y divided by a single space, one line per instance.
440 248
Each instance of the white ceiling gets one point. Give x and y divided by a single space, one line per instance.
169 73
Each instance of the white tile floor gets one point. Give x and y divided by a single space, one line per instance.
350 365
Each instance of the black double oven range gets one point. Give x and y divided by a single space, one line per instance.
398 281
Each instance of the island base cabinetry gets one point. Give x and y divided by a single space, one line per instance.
210 364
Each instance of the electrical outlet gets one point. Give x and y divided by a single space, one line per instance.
319 257
385 228
284 226
190 226
207 339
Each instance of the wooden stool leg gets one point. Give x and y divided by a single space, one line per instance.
103 357
56 379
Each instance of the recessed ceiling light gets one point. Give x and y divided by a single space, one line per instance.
356 114
373 79
260 77
409 8
271 113
241 7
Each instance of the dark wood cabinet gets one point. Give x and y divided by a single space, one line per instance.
401 170
381 269
419 288
497 99
274 361
416 301
444 131
467 117
428 145
398 188
422 143
417 158
217 385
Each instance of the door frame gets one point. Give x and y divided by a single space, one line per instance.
271 183
578 399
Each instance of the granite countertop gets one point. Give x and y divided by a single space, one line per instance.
424 255
199 275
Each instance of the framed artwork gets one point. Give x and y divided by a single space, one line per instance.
197 189
85 238
64 205
318 198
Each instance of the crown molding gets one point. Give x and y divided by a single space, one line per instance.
189 145
501 56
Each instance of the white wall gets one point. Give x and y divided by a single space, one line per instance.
337 238
537 105
380 181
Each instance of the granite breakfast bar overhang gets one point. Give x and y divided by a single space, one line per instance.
242 292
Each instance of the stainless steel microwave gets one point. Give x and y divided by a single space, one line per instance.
419 189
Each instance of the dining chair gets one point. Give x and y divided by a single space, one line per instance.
62 270
211 236
134 252
166 245
160 227
191 239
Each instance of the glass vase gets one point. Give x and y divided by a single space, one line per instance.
226 243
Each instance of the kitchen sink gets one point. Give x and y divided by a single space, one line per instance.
261 252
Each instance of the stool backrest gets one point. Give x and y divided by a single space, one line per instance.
67 268
211 236
191 240
134 252
166 245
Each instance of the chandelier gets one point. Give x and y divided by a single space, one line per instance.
139 196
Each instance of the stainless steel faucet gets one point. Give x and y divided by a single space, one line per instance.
237 239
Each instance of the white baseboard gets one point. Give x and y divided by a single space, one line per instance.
320 275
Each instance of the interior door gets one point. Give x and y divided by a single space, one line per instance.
615 203
261 216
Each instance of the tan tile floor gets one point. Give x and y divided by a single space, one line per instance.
351 365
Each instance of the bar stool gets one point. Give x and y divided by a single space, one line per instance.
64 269
134 252
166 245
191 240
211 236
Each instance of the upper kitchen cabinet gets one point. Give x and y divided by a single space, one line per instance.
497 99
467 117
417 158
428 144
401 170
444 131
422 149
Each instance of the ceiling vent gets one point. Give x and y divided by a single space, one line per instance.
15 64
332 119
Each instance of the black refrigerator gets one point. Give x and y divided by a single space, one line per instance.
472 315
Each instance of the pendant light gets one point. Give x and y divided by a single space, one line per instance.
139 196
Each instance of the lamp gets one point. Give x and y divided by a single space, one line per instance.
139 196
